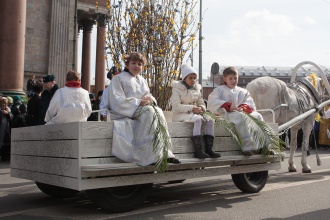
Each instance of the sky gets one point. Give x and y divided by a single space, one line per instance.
277 33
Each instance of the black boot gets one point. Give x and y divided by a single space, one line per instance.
208 140
199 153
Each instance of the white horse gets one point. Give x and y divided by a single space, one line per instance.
288 102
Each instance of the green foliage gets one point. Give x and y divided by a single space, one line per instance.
161 140
227 125
264 136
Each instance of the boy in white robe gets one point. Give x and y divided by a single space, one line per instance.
70 103
129 100
235 100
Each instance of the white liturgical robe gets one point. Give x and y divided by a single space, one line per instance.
236 96
132 131
68 105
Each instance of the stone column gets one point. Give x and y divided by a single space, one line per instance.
12 44
100 53
59 59
87 26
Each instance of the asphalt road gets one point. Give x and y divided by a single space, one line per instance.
286 196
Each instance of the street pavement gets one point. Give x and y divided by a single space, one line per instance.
285 196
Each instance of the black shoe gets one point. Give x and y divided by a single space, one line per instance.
173 160
249 152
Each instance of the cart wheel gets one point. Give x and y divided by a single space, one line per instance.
56 191
250 182
120 199
176 181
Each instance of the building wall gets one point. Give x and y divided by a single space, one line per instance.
38 15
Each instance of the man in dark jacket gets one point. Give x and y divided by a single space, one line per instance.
47 95
33 105
30 83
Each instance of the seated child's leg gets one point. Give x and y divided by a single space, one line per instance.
209 127
197 127
197 138
209 138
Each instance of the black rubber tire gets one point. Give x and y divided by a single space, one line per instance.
176 181
120 199
56 191
250 182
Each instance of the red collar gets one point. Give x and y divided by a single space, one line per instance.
73 84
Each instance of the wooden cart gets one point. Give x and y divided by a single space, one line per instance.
64 159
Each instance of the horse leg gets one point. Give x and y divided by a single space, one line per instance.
293 147
304 148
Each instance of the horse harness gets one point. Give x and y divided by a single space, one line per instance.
304 92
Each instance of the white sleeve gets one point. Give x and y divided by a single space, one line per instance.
54 106
104 101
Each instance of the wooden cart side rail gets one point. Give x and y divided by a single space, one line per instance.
65 131
56 180
103 147
141 178
188 163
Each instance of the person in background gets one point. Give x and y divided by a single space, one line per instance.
30 83
46 96
187 104
70 103
324 130
95 106
5 118
17 100
104 101
33 105
235 100
10 102
19 119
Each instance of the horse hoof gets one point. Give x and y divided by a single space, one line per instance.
292 170
307 171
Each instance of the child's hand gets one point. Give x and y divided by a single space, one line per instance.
233 108
197 110
146 101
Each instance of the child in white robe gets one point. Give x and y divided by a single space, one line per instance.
235 100
187 104
70 103
129 100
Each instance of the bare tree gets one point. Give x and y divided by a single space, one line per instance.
162 30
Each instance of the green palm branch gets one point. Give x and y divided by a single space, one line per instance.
161 139
263 135
226 124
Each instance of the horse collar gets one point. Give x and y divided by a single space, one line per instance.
311 89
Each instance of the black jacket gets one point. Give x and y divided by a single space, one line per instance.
33 111
45 99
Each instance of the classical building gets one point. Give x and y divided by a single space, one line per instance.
39 37
249 73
